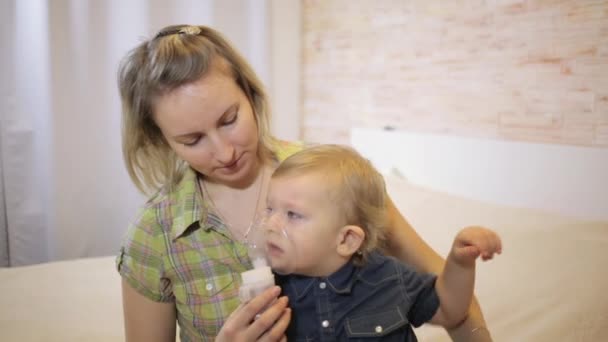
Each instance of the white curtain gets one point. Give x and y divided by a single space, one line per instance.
64 192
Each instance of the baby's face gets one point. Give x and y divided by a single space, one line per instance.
302 224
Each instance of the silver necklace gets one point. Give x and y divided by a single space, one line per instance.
242 237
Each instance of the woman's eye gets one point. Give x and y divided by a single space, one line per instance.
230 120
192 142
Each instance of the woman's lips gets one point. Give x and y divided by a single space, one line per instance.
232 166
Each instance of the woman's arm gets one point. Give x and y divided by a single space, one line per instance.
146 320
408 246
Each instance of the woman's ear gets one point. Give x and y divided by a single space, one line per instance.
350 240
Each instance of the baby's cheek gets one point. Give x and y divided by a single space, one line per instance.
280 267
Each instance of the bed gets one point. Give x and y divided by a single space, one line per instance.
548 285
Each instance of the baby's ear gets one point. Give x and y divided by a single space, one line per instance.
350 239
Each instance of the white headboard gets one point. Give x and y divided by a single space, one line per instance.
564 179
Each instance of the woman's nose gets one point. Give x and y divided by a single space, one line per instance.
223 150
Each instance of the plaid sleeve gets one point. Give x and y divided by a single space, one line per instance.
141 258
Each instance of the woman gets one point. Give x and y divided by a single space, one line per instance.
196 136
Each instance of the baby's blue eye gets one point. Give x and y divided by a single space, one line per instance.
293 215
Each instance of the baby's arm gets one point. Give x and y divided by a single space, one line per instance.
456 283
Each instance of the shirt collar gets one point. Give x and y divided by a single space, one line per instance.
301 285
187 204
340 282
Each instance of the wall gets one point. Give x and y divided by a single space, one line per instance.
533 71
285 63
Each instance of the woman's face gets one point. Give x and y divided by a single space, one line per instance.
211 125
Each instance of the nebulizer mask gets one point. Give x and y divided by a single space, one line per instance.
270 249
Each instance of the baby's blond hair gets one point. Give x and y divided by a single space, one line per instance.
358 189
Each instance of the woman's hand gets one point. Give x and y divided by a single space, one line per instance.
264 318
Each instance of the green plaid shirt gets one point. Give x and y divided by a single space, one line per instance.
175 251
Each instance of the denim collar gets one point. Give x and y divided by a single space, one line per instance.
340 282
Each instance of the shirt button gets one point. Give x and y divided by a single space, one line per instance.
322 286
325 323
209 287
379 329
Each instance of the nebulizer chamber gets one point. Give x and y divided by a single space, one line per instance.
263 232
258 279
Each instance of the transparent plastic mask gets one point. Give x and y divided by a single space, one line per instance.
270 244
260 277
256 244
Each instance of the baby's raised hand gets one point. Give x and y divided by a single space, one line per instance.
471 242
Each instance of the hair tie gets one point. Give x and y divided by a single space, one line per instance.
189 30
193 30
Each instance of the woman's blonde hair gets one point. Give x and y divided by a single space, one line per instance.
356 187
177 55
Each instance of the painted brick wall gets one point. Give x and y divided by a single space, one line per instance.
532 70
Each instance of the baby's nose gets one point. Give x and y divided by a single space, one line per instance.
274 223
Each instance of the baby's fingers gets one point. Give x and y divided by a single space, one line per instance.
471 252
490 245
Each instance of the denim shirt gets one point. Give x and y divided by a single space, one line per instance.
380 301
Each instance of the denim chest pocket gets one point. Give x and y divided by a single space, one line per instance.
375 325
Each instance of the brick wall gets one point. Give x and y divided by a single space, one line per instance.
532 70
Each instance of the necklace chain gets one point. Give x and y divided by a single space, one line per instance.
233 230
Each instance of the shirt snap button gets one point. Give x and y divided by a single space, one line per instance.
209 287
379 329
325 323
322 286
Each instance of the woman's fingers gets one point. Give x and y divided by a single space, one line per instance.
267 320
277 331
241 324
246 313
263 318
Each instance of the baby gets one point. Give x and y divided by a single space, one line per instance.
325 223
